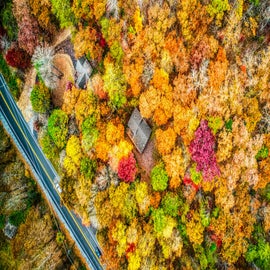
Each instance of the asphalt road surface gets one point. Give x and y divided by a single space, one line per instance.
18 128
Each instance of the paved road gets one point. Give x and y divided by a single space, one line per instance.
17 127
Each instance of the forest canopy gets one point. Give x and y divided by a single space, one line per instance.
199 73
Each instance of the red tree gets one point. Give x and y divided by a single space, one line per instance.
127 168
18 58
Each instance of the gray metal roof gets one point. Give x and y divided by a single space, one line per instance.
84 70
139 130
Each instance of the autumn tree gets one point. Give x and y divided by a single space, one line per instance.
175 164
90 133
115 84
40 98
70 99
86 42
159 178
217 8
88 9
119 151
38 227
220 66
88 167
202 151
42 10
165 140
127 168
85 106
63 12
73 150
17 58
193 19
57 127
29 32
157 101
49 148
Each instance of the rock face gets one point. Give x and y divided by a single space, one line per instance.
10 230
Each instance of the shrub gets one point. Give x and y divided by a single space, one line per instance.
18 58
127 168
58 128
40 98
88 167
159 178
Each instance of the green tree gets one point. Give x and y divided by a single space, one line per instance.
115 84
170 204
88 167
63 12
58 127
159 178
49 147
217 8
40 98
159 219
90 132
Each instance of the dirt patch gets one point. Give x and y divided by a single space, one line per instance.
146 161
64 63
24 102
63 35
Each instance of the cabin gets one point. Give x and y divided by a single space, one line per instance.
138 130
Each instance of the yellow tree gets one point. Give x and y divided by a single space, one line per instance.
70 100
175 166
85 106
73 149
165 140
